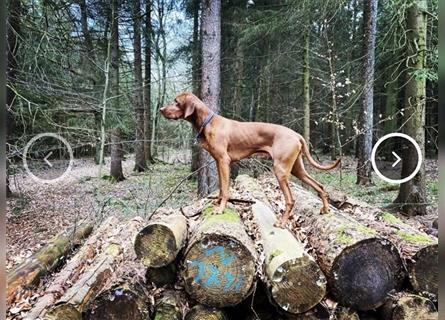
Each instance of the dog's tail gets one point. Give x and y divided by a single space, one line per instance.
305 151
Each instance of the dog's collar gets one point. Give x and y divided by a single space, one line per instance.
204 124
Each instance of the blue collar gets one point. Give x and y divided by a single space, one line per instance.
207 120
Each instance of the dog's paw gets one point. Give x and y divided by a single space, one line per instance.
325 210
280 224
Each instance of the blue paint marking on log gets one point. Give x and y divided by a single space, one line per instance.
230 279
225 260
212 272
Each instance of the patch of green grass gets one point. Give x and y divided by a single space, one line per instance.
228 215
390 218
343 236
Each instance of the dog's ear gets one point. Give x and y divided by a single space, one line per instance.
189 109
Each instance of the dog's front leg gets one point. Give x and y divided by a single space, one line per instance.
224 182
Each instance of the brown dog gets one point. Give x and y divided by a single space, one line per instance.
229 140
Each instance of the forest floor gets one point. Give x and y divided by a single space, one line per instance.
36 212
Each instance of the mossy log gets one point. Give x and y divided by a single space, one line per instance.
200 312
169 306
295 281
74 302
361 267
159 242
405 306
72 270
420 250
219 263
163 275
45 260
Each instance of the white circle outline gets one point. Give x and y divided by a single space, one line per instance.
52 135
400 135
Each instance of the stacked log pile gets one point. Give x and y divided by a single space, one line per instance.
196 264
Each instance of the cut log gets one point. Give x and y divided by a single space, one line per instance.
342 313
74 302
124 301
319 312
45 260
361 267
159 242
219 263
200 312
419 249
295 281
72 270
163 275
169 306
404 306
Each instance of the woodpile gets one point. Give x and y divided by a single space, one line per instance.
195 264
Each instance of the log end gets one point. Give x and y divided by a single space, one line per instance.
200 312
163 275
365 273
298 285
118 303
155 245
424 271
218 270
408 306
63 312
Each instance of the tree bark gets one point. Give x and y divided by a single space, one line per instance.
140 163
296 283
75 301
211 83
365 120
147 82
219 263
117 154
412 198
160 241
72 270
45 260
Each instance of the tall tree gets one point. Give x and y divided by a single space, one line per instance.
13 36
147 81
366 114
140 163
196 72
211 82
114 59
412 194
306 90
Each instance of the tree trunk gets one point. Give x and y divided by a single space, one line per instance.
296 283
75 301
13 36
306 91
160 241
72 270
45 260
239 84
390 112
140 163
200 312
147 82
196 76
365 120
117 154
405 306
219 263
412 198
211 83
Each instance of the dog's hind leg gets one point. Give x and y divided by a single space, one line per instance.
282 174
300 172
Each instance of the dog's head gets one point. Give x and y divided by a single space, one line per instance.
181 108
